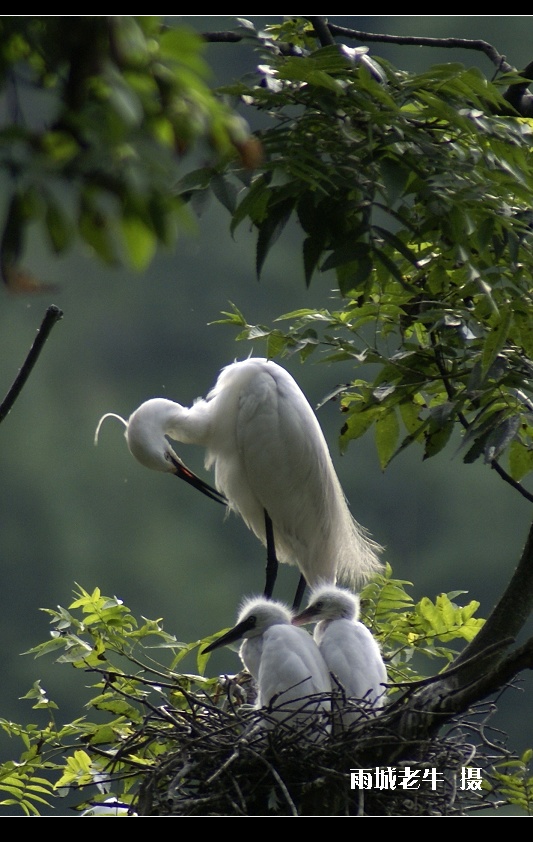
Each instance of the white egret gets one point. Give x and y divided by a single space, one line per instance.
272 466
285 663
349 649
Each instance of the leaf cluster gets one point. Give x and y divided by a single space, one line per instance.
414 191
98 114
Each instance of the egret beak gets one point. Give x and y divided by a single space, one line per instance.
304 617
234 634
183 472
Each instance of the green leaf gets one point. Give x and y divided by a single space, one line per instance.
496 338
520 460
254 204
395 178
225 191
437 439
500 437
139 240
347 253
58 226
358 422
95 229
524 322
387 433
352 276
271 228
312 251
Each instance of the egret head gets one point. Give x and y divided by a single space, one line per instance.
145 434
255 616
328 602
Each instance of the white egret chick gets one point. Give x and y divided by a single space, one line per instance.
272 466
350 651
285 663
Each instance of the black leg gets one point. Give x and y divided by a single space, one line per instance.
302 584
272 560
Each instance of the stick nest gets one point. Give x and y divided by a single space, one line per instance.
233 760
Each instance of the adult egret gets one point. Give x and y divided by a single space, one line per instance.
285 663
350 651
272 466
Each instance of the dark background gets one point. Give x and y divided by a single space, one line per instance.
75 513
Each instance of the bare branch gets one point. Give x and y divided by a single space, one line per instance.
326 31
418 41
53 315
322 30
508 479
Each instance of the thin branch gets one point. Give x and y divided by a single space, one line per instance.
403 40
53 315
508 479
479 662
493 679
226 37
277 777
494 464
419 41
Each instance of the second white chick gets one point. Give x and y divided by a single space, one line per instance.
350 651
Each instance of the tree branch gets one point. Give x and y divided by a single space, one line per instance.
405 726
512 610
508 479
322 30
450 391
481 669
325 33
226 37
418 41
53 315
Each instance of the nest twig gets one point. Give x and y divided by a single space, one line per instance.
233 760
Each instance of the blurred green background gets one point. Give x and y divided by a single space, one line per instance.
75 513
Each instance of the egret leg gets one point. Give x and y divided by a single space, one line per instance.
272 559
302 584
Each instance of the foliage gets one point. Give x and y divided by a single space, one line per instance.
138 694
515 781
415 191
98 114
